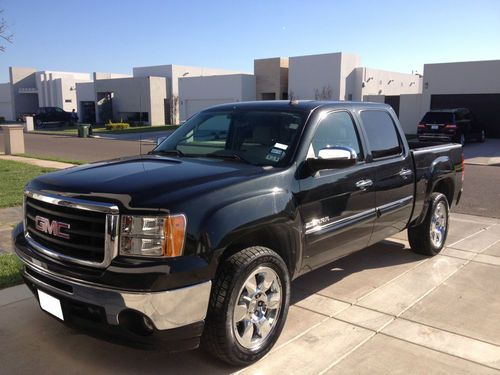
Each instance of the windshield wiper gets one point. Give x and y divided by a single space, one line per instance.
168 152
232 155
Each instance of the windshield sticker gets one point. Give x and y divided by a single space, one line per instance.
272 157
281 146
293 126
276 151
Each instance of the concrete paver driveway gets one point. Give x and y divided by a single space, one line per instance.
382 310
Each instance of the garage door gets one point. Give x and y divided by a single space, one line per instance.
196 105
485 106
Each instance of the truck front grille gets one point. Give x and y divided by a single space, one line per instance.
70 230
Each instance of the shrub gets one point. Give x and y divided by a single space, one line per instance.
117 126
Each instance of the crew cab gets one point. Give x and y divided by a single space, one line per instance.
197 241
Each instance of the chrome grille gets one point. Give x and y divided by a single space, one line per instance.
90 234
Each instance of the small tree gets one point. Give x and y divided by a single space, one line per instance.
324 94
4 32
174 108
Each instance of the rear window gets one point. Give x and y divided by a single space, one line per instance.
438 118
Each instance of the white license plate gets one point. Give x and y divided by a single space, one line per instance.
434 127
50 304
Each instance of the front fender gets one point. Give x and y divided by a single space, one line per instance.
270 209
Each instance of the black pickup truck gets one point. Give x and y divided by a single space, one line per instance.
197 242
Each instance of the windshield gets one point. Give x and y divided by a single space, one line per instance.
258 137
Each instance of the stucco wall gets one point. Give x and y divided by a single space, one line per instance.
23 79
472 77
58 89
410 112
381 82
6 102
136 94
309 74
197 93
271 76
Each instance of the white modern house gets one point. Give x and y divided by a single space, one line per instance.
197 93
29 89
172 73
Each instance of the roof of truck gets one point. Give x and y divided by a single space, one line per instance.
305 105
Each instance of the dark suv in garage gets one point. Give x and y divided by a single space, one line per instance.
457 125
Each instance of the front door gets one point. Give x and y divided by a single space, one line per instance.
337 206
394 178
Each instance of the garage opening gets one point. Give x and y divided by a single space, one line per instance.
393 101
484 106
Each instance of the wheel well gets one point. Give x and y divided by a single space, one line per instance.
276 238
445 187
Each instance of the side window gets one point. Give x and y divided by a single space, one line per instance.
336 129
381 132
58 110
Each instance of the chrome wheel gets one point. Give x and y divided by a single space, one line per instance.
439 223
257 308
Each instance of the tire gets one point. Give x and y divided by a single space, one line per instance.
258 273
429 237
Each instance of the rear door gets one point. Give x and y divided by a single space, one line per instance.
394 177
337 206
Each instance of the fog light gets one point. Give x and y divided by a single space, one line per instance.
148 324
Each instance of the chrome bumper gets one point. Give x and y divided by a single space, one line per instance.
167 310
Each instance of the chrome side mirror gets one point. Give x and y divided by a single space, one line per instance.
332 158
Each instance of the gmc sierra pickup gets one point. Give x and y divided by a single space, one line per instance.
197 242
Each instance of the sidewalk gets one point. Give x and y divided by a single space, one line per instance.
381 310
37 162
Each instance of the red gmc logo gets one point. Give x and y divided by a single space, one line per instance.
53 227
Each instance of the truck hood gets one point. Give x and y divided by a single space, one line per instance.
146 182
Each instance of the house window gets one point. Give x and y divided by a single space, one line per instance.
67 101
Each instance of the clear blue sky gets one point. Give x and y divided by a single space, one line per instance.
114 36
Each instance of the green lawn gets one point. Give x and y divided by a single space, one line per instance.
52 158
10 265
14 176
102 130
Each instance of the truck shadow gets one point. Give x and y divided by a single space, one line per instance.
115 357
351 277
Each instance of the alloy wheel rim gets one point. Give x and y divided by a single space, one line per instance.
257 308
438 225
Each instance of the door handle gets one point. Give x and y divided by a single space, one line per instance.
405 173
364 184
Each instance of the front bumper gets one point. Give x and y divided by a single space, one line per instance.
436 137
166 310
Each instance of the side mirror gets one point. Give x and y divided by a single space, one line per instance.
160 140
332 158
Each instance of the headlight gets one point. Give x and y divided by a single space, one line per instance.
152 235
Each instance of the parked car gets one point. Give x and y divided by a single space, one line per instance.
199 239
456 125
52 114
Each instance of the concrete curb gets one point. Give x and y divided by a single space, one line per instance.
14 294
